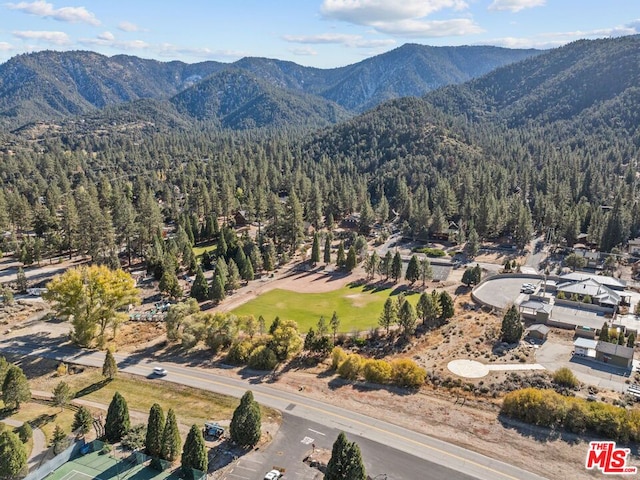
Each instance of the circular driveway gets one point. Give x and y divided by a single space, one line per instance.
500 292
468 368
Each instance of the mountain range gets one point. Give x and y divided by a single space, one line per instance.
52 86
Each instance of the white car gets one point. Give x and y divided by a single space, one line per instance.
159 371
273 475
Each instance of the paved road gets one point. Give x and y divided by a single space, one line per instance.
459 462
39 442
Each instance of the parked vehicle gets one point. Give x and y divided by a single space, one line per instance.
274 474
213 429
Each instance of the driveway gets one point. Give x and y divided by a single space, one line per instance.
553 355
39 443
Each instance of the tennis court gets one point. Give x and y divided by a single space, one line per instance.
101 466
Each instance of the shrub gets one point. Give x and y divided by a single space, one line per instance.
351 367
263 358
564 377
338 356
24 432
550 409
240 352
377 371
407 373
430 252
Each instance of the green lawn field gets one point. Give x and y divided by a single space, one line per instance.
198 251
358 307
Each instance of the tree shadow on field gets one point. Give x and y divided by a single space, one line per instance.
541 434
337 383
94 387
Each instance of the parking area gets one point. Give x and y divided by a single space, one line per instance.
440 272
502 292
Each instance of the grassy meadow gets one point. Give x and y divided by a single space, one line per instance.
358 307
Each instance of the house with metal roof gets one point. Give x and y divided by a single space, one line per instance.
609 282
599 293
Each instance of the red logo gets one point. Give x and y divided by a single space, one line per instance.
608 459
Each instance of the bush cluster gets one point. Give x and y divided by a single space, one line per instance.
403 372
430 252
550 409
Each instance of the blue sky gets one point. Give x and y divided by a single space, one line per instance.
320 33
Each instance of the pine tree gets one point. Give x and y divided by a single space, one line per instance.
109 367
58 440
155 430
233 278
217 292
352 259
407 319
429 308
200 288
335 324
171 442
604 333
245 428
477 274
385 265
426 271
389 314
621 338
13 455
82 421
631 340
21 281
346 461
315 249
15 388
413 270
396 267
467 277
327 249
446 302
247 272
117 423
62 395
511 331
194 453
341 259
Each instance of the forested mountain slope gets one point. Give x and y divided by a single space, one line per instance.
51 86
559 85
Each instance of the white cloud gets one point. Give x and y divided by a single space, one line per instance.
515 5
431 28
41 8
304 51
108 39
107 36
368 12
55 38
128 27
356 41
557 39
170 50
6 47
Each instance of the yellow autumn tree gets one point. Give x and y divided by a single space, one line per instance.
91 297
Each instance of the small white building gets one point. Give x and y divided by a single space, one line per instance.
585 347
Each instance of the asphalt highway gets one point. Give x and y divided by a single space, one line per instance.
386 446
